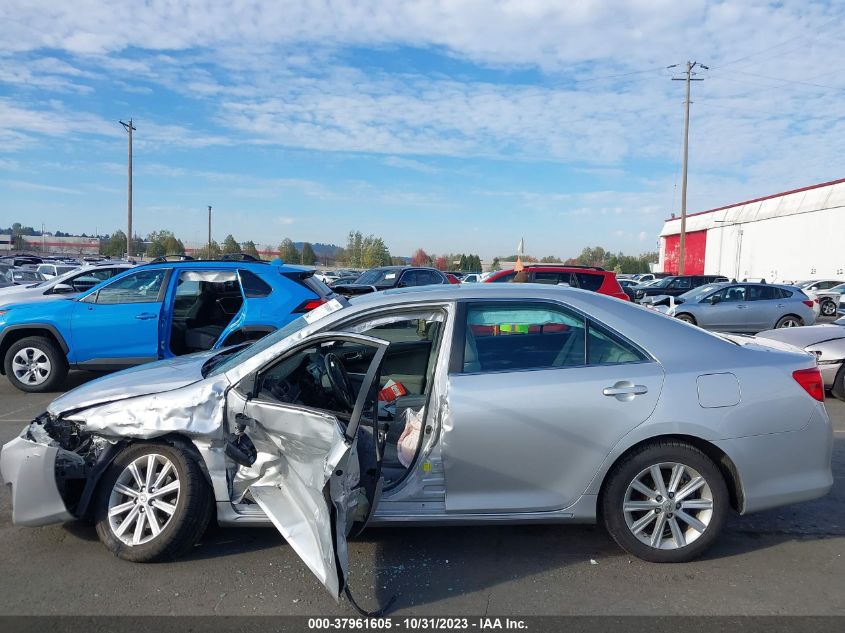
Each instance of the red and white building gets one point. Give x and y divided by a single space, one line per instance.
783 237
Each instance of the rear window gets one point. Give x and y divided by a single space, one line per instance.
504 278
317 286
589 281
253 285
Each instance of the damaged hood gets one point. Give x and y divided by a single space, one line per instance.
157 377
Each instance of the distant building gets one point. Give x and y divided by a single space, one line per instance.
66 245
5 243
782 237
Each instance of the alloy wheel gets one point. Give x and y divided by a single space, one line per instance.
31 366
828 308
790 322
668 505
144 499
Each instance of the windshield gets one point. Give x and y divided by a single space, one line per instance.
660 283
697 294
376 277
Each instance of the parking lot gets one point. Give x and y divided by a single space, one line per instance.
786 561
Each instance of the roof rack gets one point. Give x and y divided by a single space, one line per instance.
561 265
187 259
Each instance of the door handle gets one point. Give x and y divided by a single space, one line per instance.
740 307
145 316
625 390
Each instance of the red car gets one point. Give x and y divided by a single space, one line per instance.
585 277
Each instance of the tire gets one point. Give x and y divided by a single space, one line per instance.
790 320
686 317
181 514
47 368
828 308
837 389
634 530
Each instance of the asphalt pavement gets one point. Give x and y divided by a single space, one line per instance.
788 561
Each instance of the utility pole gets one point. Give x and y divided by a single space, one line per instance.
688 77
209 231
129 128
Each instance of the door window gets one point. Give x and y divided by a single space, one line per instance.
427 277
409 278
517 336
681 283
762 293
734 294
588 281
141 287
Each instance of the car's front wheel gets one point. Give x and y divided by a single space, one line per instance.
666 502
686 318
153 503
35 364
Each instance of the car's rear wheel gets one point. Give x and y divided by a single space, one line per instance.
686 318
153 503
665 502
790 320
828 308
35 364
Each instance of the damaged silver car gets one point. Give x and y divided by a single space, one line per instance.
451 404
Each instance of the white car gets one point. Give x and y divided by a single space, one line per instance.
471 278
75 281
54 270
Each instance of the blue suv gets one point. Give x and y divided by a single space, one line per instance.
151 312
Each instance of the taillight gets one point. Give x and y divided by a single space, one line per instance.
310 304
811 380
809 303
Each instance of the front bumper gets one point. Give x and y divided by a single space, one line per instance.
30 469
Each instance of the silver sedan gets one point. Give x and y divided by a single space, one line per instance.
744 307
475 403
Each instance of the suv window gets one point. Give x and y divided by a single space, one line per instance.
508 336
763 293
550 278
731 294
427 277
589 281
253 285
681 283
507 277
141 287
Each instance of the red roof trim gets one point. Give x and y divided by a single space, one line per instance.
774 195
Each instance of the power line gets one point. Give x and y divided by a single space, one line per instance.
779 44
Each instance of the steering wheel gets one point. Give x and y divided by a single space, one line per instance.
339 380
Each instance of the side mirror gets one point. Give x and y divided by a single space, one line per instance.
63 289
714 299
402 284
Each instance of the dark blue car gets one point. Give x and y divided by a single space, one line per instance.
152 312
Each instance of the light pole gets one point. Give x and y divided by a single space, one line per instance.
209 231
129 128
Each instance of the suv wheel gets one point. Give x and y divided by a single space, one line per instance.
35 364
665 502
790 320
153 504
828 308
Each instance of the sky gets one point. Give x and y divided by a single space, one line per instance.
455 126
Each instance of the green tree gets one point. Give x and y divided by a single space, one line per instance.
205 252
249 248
173 245
309 257
495 265
230 245
550 259
463 262
288 251
114 245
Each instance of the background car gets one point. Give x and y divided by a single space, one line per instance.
471 278
20 276
744 307
151 312
585 277
50 269
674 285
386 277
552 405
74 282
828 299
826 342
349 279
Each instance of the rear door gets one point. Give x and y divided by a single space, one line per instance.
118 325
764 306
317 470
730 314
537 397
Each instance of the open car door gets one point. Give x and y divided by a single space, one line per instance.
315 467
